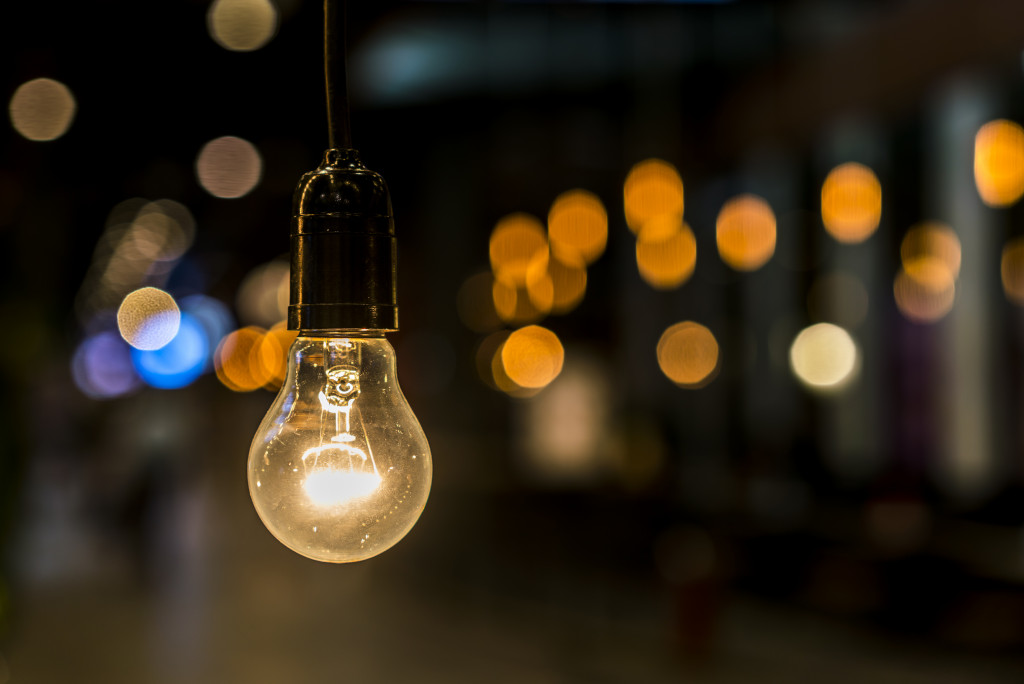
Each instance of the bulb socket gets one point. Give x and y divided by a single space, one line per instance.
343 249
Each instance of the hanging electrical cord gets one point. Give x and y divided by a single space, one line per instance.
339 130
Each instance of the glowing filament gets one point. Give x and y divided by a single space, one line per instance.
338 472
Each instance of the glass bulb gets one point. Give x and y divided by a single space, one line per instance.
340 469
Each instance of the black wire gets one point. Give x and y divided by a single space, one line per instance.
339 132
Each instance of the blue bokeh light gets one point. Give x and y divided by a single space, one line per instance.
213 315
178 363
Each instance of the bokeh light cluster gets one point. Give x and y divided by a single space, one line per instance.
537 272
653 201
251 357
162 344
142 243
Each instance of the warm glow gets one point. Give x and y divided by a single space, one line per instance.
851 202
329 487
237 360
242 25
924 299
42 109
515 241
930 253
999 162
824 357
653 188
229 167
745 233
688 354
1012 270
532 356
578 225
666 259
556 284
148 318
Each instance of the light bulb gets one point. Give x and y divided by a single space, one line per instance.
340 469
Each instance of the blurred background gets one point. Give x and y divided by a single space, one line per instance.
710 311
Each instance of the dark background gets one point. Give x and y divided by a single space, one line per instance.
745 531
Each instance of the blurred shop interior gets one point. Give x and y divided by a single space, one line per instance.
710 311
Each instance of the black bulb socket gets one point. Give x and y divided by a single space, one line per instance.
343 249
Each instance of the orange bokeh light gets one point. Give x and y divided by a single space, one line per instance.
851 202
237 360
653 188
532 356
745 232
515 241
578 225
666 259
688 354
999 162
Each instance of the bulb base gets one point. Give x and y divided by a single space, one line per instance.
344 252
